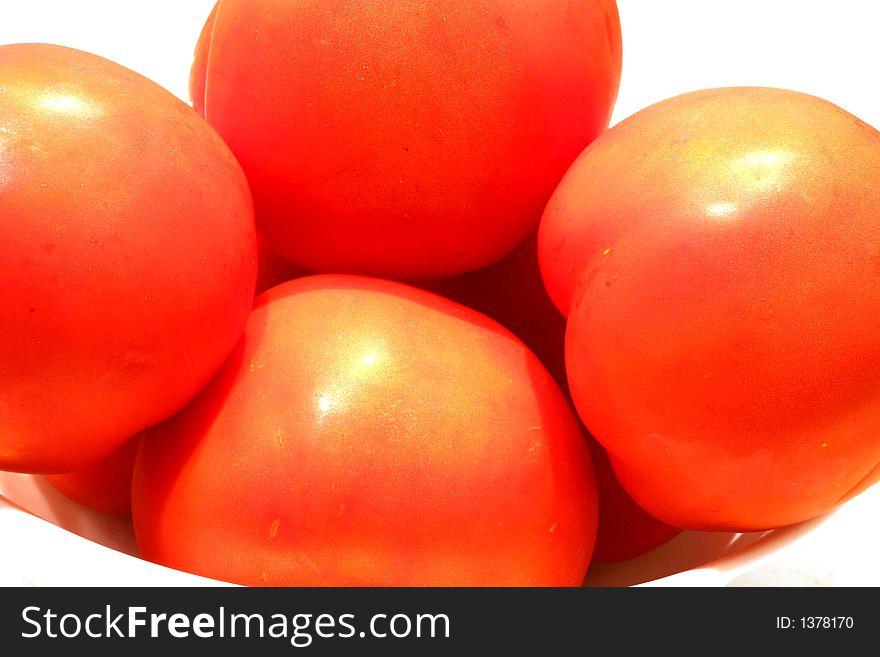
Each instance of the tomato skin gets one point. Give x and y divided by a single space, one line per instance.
104 486
722 342
406 140
512 293
625 531
366 432
129 256
272 268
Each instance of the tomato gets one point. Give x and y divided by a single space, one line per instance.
511 292
128 253
104 486
408 140
722 341
365 432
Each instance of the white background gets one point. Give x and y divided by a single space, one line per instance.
829 49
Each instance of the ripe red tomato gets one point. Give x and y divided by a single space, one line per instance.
365 432
104 486
408 140
129 256
722 338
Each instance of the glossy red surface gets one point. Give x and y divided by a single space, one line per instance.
720 251
366 432
407 140
129 256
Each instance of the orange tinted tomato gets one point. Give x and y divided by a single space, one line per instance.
365 432
722 338
409 140
128 255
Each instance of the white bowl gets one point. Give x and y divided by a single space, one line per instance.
837 549
48 540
